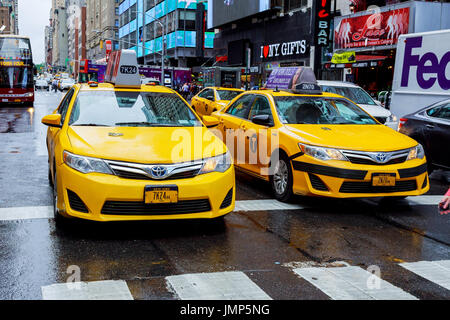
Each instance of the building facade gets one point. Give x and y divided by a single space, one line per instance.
9 16
58 17
258 36
180 26
102 18
373 51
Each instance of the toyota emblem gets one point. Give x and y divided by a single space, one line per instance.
158 172
381 157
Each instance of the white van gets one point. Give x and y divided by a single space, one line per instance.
422 71
362 98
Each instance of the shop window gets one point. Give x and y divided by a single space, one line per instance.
186 20
133 12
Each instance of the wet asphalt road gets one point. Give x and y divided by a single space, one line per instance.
266 245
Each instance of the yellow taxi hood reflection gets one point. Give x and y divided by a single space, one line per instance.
352 137
145 145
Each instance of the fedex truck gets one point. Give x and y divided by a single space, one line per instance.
422 71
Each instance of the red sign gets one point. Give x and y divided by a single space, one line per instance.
108 46
323 17
377 29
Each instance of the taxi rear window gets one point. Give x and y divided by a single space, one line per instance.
228 95
131 109
319 110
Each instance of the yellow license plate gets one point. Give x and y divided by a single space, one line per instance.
383 180
154 195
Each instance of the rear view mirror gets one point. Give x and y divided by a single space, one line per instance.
210 121
262 119
52 120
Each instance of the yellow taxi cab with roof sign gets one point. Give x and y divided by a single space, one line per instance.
308 142
213 99
126 151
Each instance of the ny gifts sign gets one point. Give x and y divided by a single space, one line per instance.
283 50
377 29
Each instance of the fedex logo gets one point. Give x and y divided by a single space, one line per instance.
430 69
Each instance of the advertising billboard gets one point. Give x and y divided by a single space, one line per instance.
226 11
378 29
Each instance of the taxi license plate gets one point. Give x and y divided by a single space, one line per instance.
383 180
161 194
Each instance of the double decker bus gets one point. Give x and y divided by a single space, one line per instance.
16 70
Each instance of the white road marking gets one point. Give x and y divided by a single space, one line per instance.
351 283
424 200
434 271
263 205
216 286
46 212
96 290
25 213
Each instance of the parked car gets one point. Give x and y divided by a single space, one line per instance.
66 84
41 85
362 98
430 126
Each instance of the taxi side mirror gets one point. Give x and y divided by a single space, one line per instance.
210 122
262 119
52 120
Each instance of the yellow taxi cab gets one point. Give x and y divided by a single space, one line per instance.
126 151
308 142
213 99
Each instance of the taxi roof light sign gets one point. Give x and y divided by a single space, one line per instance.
123 70
295 79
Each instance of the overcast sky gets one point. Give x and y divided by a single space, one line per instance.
33 17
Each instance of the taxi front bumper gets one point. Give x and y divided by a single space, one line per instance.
318 178
103 197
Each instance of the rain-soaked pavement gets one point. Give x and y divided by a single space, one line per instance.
317 251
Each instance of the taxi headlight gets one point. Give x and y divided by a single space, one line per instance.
416 153
85 164
217 164
322 153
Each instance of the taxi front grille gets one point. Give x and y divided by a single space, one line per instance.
76 203
317 183
228 200
140 208
366 187
356 160
138 176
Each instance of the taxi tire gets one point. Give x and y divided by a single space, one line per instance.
288 193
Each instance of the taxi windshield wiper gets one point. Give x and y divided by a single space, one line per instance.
147 124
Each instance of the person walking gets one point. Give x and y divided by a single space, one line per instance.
55 85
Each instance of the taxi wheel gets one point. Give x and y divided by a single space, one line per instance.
281 180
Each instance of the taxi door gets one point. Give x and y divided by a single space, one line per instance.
210 100
258 136
53 132
230 127
198 101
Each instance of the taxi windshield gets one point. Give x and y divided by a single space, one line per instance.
131 109
227 94
320 110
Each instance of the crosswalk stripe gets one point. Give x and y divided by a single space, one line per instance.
46 212
24 213
262 205
231 285
352 283
96 290
434 271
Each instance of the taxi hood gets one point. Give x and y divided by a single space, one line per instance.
145 145
351 137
